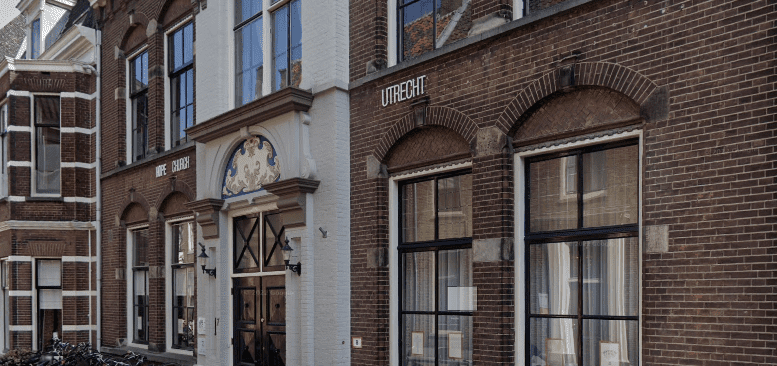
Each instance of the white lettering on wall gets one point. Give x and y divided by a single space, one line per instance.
403 91
181 164
161 170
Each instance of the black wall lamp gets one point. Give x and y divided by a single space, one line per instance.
203 258
297 268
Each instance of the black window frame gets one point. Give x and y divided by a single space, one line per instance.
436 245
139 149
41 343
578 235
173 74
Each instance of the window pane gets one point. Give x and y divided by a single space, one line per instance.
249 60
615 340
139 126
417 30
551 207
49 273
244 9
418 212
140 245
188 38
455 340
418 339
35 38
553 278
454 199
611 277
183 243
47 145
295 51
273 254
454 20
553 342
177 55
139 73
247 242
280 48
611 187
418 281
455 276
50 299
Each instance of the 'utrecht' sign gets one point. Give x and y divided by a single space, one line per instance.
403 91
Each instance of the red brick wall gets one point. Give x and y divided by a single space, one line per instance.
136 184
708 167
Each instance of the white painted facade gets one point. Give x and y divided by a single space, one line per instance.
311 145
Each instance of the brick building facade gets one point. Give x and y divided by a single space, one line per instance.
48 241
611 165
148 177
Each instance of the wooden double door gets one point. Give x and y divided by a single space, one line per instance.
260 320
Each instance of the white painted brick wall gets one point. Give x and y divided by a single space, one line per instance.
318 307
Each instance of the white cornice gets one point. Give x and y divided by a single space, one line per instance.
24 5
74 44
45 66
45 225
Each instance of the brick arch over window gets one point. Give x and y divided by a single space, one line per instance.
135 34
619 78
435 116
172 195
132 206
172 10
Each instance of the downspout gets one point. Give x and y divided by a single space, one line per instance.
98 172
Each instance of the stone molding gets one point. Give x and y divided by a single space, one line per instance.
291 199
207 212
262 109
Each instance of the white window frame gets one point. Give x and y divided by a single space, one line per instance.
169 283
519 169
34 145
4 152
130 279
129 158
168 85
393 188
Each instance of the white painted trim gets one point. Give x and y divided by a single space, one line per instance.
520 247
393 203
81 130
18 258
517 9
65 199
12 128
392 33
78 165
78 259
22 164
75 328
20 328
20 293
18 93
44 225
78 95
78 293
46 65
14 199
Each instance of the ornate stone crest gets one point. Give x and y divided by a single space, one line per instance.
253 164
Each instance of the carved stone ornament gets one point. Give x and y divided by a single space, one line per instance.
253 164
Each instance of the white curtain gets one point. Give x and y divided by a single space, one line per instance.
560 295
616 283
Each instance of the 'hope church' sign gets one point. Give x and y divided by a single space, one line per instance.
403 91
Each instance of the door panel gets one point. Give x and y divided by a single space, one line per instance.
260 321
